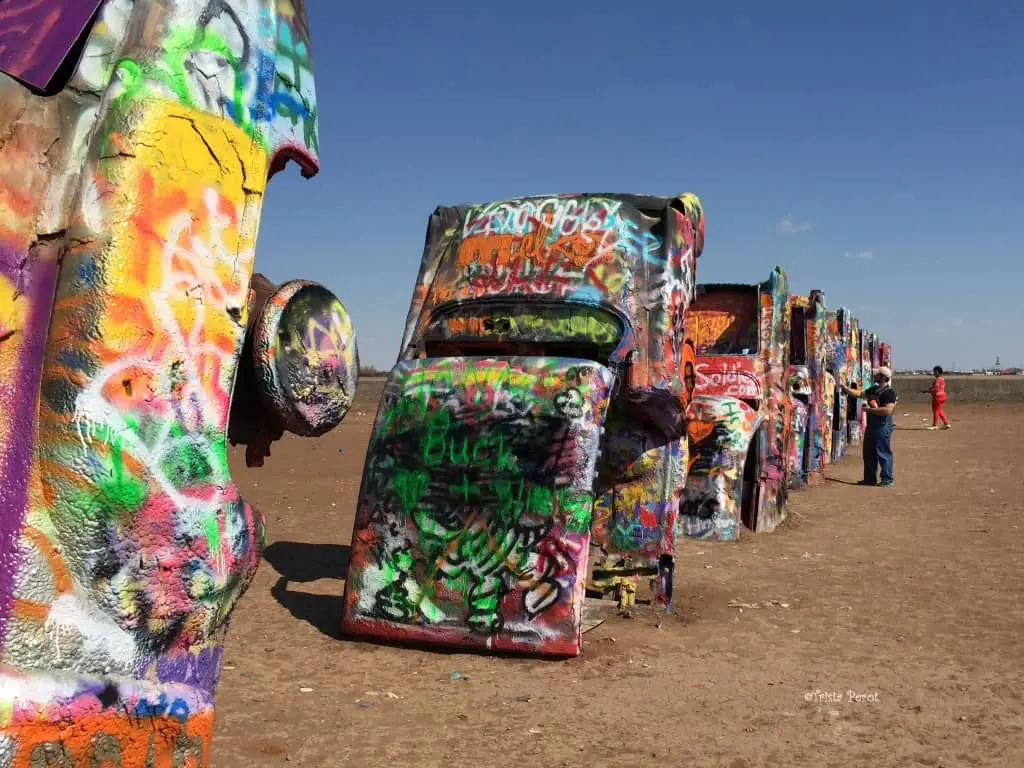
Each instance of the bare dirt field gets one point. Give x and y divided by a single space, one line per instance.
897 638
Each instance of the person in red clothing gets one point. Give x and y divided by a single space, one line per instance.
938 393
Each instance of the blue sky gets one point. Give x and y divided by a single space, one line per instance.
872 149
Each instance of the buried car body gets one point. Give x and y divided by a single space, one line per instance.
540 395
740 419
807 386
138 140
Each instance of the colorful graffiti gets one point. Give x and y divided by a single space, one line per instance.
724 433
839 368
852 354
816 344
579 282
736 476
573 248
828 417
37 38
729 376
642 474
130 200
807 374
474 516
854 362
800 391
634 256
775 341
298 370
646 450
755 434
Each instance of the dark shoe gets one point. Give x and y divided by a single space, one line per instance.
866 482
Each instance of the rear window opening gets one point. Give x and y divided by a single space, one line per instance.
549 349
725 319
798 336
497 329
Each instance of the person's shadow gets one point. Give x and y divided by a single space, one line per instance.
842 482
302 562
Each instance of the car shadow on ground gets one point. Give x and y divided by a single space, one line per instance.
303 563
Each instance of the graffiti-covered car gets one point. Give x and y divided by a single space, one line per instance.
865 370
137 141
838 361
807 386
740 418
855 417
540 394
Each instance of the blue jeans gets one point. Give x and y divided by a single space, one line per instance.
878 453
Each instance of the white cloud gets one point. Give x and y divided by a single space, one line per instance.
940 329
956 322
860 255
787 226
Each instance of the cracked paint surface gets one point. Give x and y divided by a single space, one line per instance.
130 197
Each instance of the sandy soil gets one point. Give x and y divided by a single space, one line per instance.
909 597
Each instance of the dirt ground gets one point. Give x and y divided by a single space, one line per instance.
897 638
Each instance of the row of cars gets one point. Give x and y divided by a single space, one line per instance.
539 409
768 414
569 404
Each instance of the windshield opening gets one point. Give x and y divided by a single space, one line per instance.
798 337
559 330
725 321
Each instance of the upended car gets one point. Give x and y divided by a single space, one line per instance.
537 408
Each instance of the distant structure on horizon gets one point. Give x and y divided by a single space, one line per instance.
996 371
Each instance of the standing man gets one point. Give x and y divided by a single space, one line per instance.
881 399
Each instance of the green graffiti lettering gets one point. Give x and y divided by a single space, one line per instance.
410 487
505 459
483 443
434 442
456 456
464 489
577 508
540 501
508 505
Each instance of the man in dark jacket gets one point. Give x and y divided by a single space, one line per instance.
881 401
